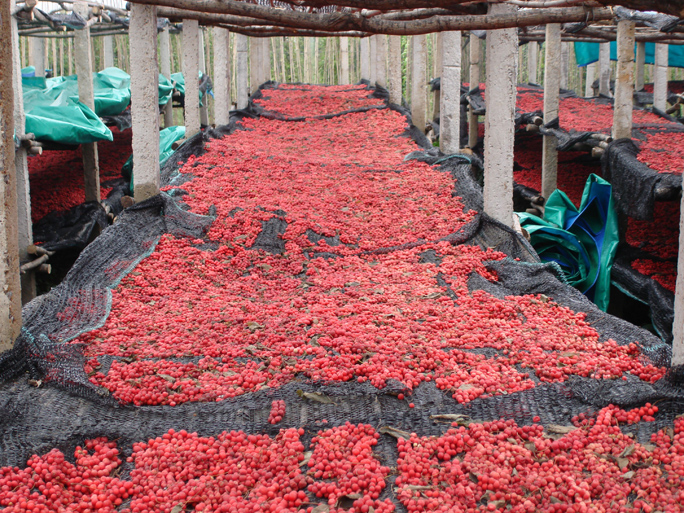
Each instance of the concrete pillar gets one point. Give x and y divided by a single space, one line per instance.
10 287
365 57
344 60
502 61
381 61
418 96
108 43
70 55
564 65
591 76
604 69
660 76
265 59
165 56
37 54
450 95
436 72
640 65
678 326
191 50
624 83
204 110
475 56
221 76
83 55
552 84
532 61
373 45
394 68
145 100
242 78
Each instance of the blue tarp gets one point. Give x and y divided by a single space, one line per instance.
586 53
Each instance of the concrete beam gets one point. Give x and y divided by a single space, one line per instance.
365 56
204 108
221 76
38 55
475 57
165 64
83 54
604 69
624 83
552 84
145 100
532 61
502 62
381 60
191 50
450 94
591 76
660 76
10 286
418 85
108 44
242 78
639 81
344 60
394 68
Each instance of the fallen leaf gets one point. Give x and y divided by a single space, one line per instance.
396 433
315 396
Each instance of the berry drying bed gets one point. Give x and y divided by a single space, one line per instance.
328 345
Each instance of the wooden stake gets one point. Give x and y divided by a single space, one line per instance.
591 76
365 52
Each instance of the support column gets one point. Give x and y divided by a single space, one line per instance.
191 74
108 43
165 56
532 61
475 56
624 83
502 60
37 51
604 69
394 67
10 287
552 84
253 67
221 76
678 325
450 94
418 93
145 100
344 60
436 72
660 77
381 60
640 66
242 78
365 52
204 108
564 65
591 76
83 55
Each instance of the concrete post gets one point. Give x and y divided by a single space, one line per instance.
381 61
145 100
373 45
221 76
678 326
165 56
624 83
344 60
265 59
436 72
591 76
37 54
84 70
532 61
253 58
10 287
502 61
394 67
660 76
108 43
70 55
365 56
418 96
604 69
475 56
640 66
564 65
450 95
204 109
191 50
25 224
552 80
242 78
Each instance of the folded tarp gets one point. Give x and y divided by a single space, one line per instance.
167 137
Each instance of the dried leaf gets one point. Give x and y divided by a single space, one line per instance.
628 451
555 500
307 457
463 420
315 396
622 463
530 446
253 326
498 504
35 382
649 447
166 377
396 433
560 430
418 487
466 386
515 472
347 501
669 432
434 295
473 477
628 475
178 508
321 508
314 340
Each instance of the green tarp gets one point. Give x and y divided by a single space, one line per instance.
581 241
165 90
586 53
167 137
179 79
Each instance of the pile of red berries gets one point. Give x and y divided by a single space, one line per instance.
277 412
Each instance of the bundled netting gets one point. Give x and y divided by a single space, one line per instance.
312 314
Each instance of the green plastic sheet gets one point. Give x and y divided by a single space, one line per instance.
167 137
586 53
179 79
581 241
165 90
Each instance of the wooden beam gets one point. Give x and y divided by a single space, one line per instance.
373 60
552 85
591 76
624 83
108 43
678 325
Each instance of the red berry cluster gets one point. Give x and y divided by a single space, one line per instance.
659 237
664 273
319 100
663 152
277 412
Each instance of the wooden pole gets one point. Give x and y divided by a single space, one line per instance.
640 65
10 286
381 62
394 68
418 96
660 77
242 78
450 94
191 50
475 56
221 76
145 100
624 84
84 69
502 59
204 108
532 58
552 79
604 69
